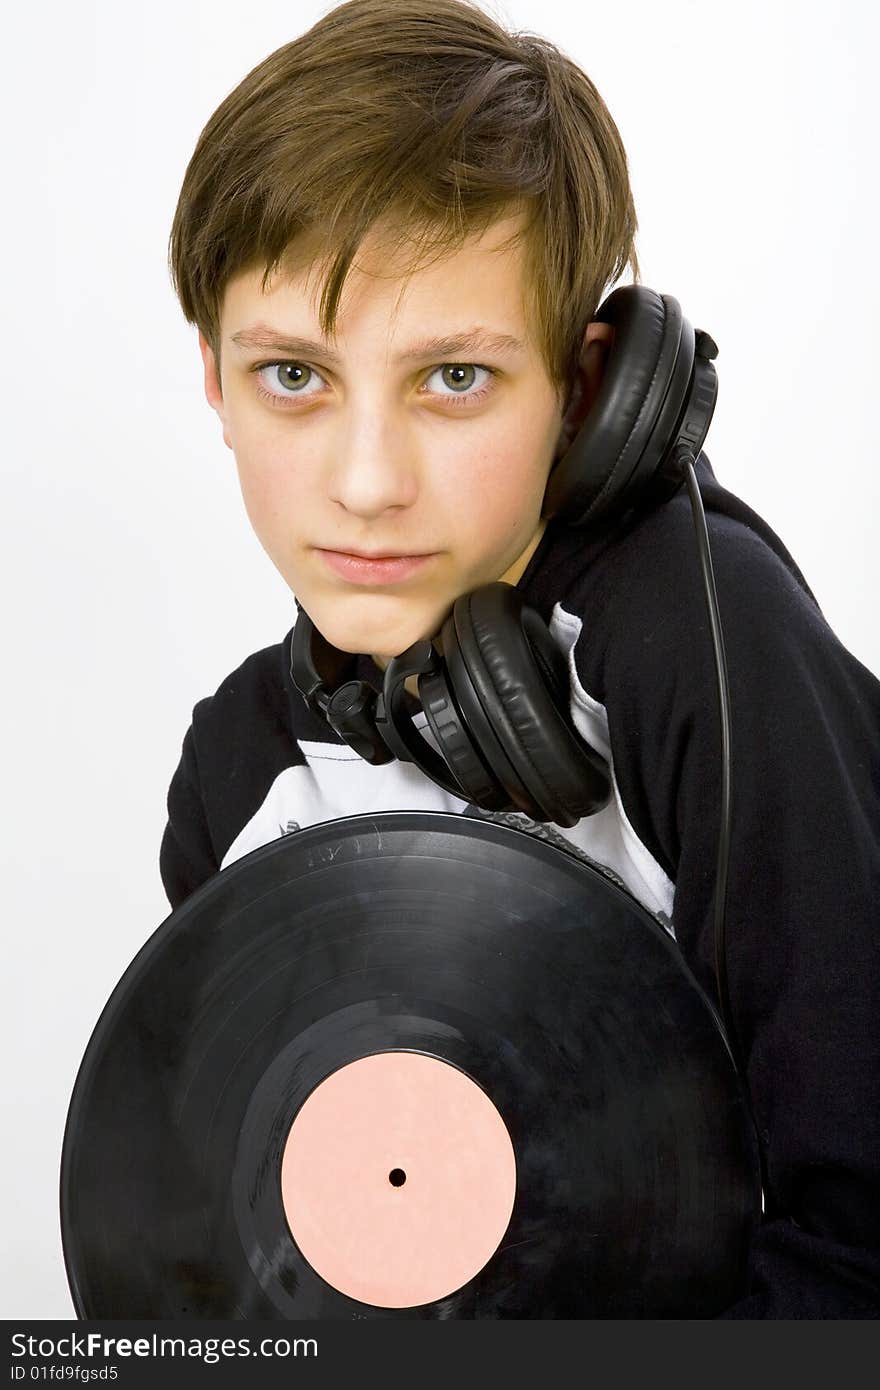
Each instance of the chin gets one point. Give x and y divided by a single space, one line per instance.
373 626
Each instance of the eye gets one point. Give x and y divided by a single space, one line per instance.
460 379
295 379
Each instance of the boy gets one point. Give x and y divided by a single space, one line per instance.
392 237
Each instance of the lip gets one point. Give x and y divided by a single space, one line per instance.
373 569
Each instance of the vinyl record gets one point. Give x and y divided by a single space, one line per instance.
407 1065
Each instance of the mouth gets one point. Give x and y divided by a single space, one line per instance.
360 568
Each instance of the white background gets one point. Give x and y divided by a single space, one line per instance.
132 583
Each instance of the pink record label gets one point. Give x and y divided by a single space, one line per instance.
398 1179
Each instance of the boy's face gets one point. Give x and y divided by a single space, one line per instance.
424 431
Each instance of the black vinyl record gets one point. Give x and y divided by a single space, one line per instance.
495 962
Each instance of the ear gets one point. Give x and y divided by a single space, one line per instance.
598 339
213 388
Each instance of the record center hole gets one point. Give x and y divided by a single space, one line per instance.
397 1177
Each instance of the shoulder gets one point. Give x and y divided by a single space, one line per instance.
241 739
257 684
638 594
257 702
245 735
632 608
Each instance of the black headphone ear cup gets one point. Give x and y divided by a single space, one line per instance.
466 761
646 393
510 682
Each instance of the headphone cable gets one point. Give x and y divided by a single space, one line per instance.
684 459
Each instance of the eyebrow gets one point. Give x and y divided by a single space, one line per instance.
452 347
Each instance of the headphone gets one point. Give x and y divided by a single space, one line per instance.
497 699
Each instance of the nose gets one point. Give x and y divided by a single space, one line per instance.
374 468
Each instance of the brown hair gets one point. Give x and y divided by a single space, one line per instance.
431 118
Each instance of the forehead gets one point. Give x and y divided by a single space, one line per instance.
480 281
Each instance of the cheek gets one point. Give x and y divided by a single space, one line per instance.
501 486
270 489
258 493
